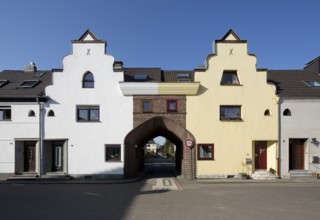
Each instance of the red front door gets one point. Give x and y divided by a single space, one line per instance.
260 152
30 156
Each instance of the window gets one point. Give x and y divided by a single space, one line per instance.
88 80
312 83
31 113
267 112
29 84
229 78
286 112
5 113
51 113
112 152
88 113
205 152
230 112
140 77
183 77
3 82
146 106
172 105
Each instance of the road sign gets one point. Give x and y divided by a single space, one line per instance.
189 143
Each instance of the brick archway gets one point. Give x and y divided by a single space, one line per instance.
159 126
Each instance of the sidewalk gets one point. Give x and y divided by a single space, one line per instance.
37 180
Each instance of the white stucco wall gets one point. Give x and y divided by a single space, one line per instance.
20 127
86 140
303 123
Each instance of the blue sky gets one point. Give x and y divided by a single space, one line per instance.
171 34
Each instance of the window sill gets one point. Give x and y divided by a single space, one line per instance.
231 120
88 121
205 159
113 161
230 84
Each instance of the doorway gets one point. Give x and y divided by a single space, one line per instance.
260 152
159 126
57 156
296 154
30 156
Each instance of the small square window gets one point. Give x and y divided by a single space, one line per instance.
112 152
230 112
5 113
229 78
146 106
88 113
172 106
205 151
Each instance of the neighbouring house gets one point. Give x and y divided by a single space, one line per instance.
151 147
21 101
299 124
234 115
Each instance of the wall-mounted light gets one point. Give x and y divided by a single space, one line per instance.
313 140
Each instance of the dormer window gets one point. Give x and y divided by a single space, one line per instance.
88 80
312 83
183 77
3 82
229 78
29 84
140 77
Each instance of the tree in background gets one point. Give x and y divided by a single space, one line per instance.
167 148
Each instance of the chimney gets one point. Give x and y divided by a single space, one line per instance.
118 66
31 67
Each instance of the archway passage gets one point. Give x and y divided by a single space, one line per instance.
159 126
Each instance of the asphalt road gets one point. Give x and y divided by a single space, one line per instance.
160 196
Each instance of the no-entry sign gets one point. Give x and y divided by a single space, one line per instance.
189 143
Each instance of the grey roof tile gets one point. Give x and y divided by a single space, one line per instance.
290 83
17 77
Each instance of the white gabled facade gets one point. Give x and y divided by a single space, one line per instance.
84 142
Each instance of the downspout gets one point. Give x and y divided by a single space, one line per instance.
279 137
40 171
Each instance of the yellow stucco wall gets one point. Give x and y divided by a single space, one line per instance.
233 140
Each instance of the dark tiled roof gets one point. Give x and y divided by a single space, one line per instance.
17 77
290 83
155 74
172 75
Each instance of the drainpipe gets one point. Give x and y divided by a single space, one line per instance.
40 171
279 138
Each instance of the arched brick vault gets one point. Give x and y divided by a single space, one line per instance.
159 126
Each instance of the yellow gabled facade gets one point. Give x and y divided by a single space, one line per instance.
234 113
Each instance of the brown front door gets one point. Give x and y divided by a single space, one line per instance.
296 154
30 156
260 152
